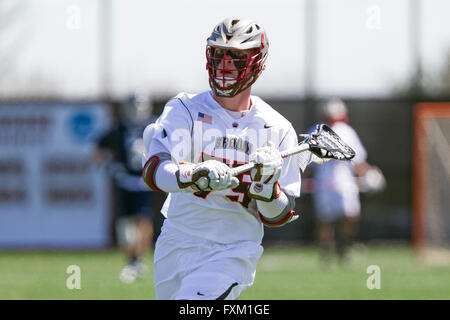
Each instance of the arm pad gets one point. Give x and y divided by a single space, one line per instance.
151 168
278 212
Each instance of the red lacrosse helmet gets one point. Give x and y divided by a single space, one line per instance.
236 53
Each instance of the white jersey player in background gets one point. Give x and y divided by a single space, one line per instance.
336 188
210 241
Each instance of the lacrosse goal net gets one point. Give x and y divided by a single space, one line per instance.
431 182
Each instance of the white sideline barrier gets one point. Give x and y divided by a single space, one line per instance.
51 194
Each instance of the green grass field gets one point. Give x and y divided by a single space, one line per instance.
291 273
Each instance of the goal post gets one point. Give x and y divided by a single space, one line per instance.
431 180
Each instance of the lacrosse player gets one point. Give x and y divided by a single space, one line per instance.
210 241
120 151
336 194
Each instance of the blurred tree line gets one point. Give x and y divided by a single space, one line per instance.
16 31
427 85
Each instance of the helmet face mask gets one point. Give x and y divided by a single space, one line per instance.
236 53
232 71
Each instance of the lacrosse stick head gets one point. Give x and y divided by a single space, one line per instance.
330 145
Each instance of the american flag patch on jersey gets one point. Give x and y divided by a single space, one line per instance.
203 117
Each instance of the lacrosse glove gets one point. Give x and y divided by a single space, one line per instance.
265 175
210 175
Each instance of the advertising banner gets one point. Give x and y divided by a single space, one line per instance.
51 194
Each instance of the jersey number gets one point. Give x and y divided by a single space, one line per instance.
238 194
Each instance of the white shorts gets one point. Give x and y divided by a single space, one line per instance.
197 269
330 206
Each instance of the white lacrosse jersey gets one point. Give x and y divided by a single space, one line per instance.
336 190
196 128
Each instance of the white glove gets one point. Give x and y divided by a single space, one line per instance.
373 181
210 175
265 176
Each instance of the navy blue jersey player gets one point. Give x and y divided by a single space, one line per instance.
120 150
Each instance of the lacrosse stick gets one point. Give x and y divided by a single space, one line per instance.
323 142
